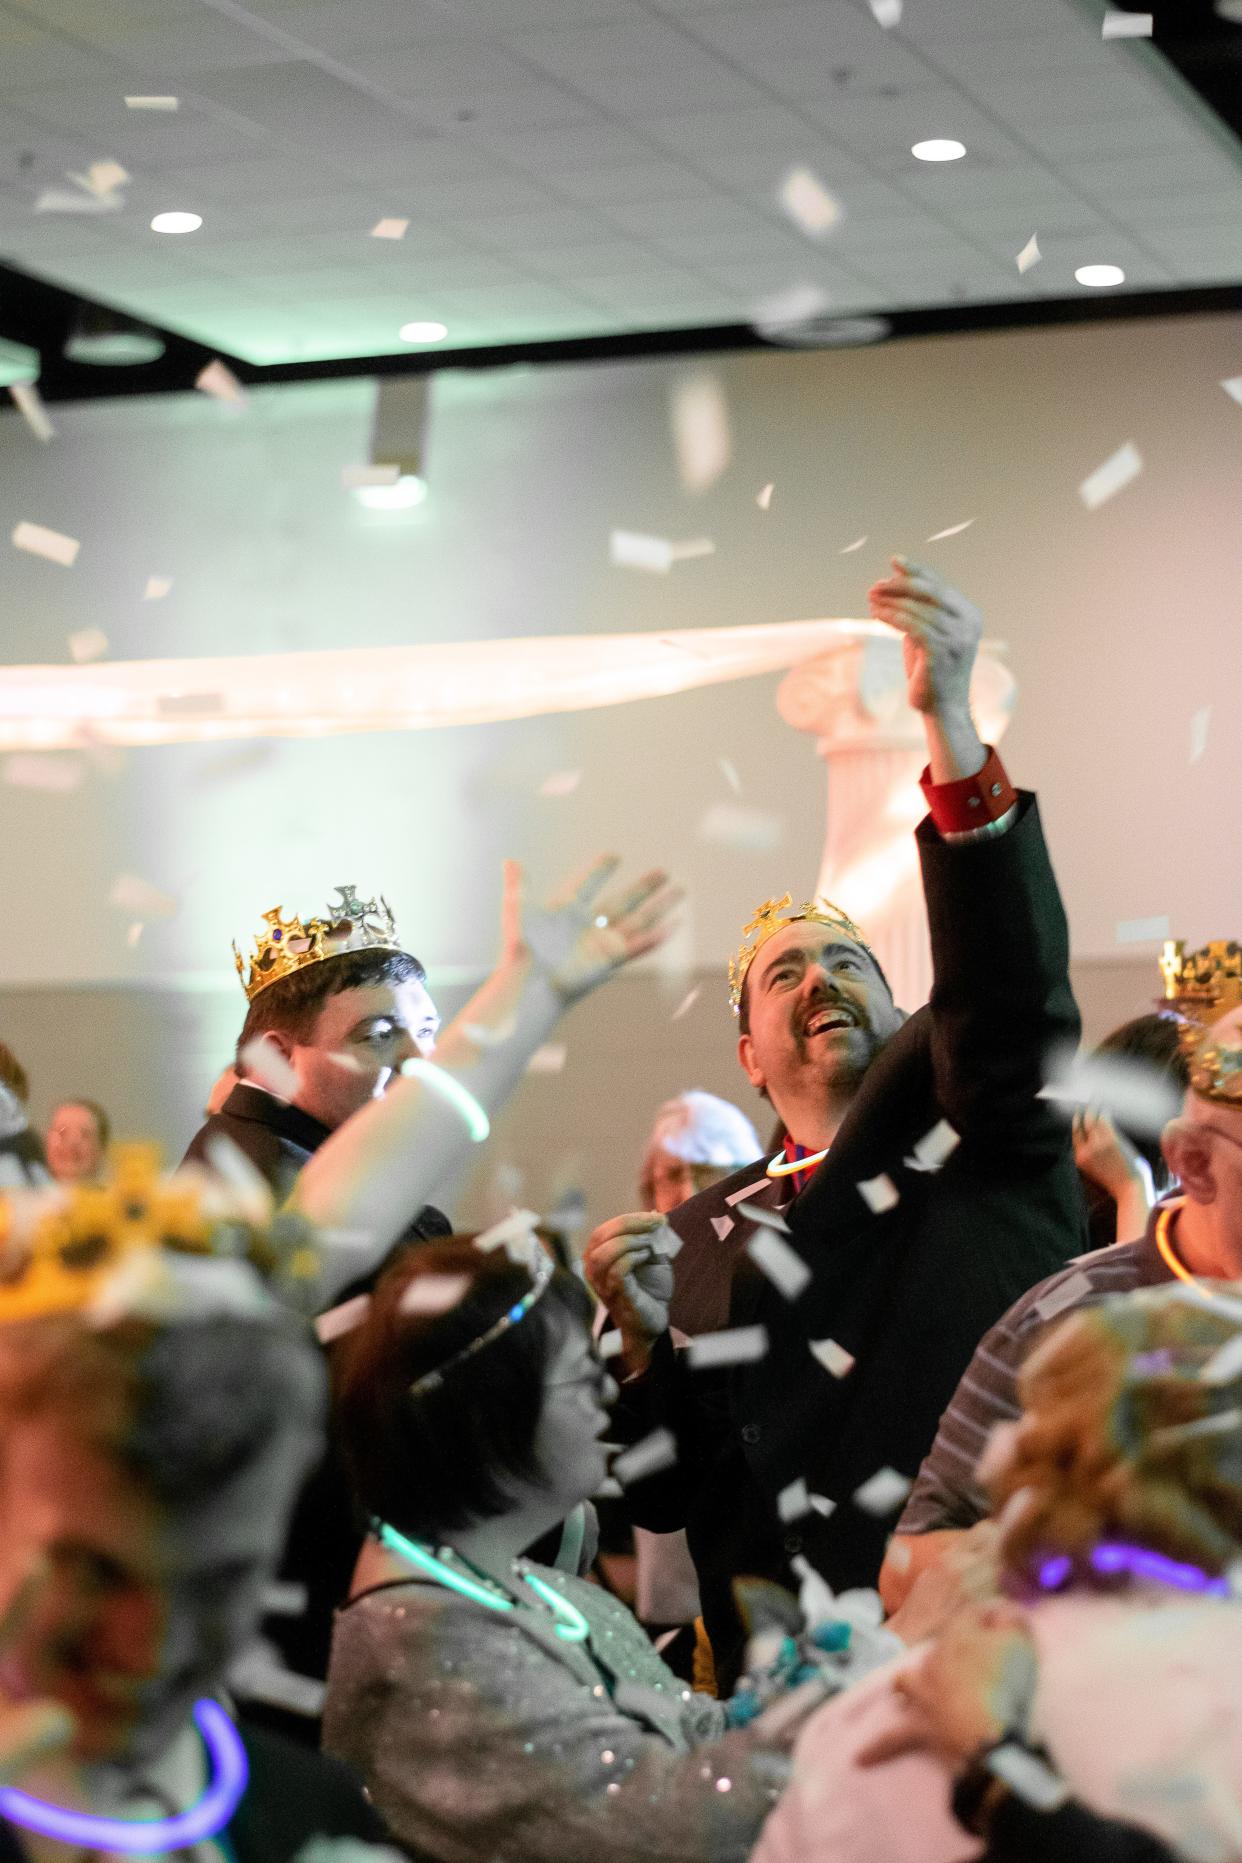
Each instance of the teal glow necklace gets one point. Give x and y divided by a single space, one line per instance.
571 1625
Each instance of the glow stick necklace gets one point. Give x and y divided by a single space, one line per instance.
571 1627
1165 1248
149 1836
781 1166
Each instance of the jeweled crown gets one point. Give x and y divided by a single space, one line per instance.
768 920
349 924
1202 986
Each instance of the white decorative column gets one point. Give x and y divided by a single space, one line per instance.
853 698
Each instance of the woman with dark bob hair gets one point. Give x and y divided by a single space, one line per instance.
497 1708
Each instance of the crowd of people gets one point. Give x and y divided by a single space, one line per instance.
913 1435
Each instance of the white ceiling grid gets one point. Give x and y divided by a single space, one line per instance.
582 167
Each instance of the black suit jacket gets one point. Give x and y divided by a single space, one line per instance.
908 1293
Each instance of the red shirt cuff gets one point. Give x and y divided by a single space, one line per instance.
955 808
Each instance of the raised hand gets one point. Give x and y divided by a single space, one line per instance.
941 630
585 934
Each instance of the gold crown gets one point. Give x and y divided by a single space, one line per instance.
351 924
1202 986
59 1251
768 921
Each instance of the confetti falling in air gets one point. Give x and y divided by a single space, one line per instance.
130 893
724 1226
934 1148
797 304
739 1345
37 540
783 1266
1143 931
851 547
514 1232
767 1217
61 200
134 934
42 770
879 1194
1232 385
269 1067
354 476
823 1505
729 772
284 1597
484 1037
813 210
219 381
834 1358
1126 26
1132 1092
102 178
430 1294
695 547
687 1003
654 1453
887 12
632 549
954 530
609 1345
793 1502
338 1321
1029 255
664 1242
883 1492
157 588
89 643
753 831
1028 1777
153 103
699 417
1071 1293
560 783
1199 732
763 497
550 1059
29 404
245 1180
1112 477
389 229
1225 1363
748 1190
259 1675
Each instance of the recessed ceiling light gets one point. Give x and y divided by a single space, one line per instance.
429 332
1100 275
176 222
939 149
407 492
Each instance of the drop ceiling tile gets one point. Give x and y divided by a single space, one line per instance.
200 42
530 300
421 159
30 59
641 70
592 144
526 232
690 131
488 197
361 26
648 181
1152 175
798 51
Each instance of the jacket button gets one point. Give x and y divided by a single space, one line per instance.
793 1543
751 1432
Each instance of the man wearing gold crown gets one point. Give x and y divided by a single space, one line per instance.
923 1182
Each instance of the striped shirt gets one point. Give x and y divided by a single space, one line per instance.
945 1494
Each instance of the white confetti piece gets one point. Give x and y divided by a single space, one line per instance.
284 1597
608 1490
338 1321
694 547
631 549
1143 931
724 1226
259 1675
834 1358
753 831
429 1294
1028 1777
887 12
1029 255
62 200
810 206
244 1179
934 1147
157 588
1126 26
392 228
648 1457
550 1059
954 530
1221 1423
763 497
354 476
1134 1094
851 547
879 1194
153 103
514 1231
699 417
687 1003
729 771
783 1266
739 1345
29 404
783 309
37 540
485 1037
748 1190
1110 478
266 1064
609 1345
1232 385
134 933
130 893
42 770
87 644
766 1217
1071 1293
665 1243
1199 732
1225 1363
560 783
219 381
102 178
793 1502
883 1492
823 1505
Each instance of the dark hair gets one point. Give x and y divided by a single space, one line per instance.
13 1074
292 1004
102 1122
1154 1040
743 1004
442 1458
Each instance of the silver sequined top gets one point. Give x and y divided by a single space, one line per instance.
482 1738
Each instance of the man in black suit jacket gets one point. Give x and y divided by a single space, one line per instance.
923 1183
